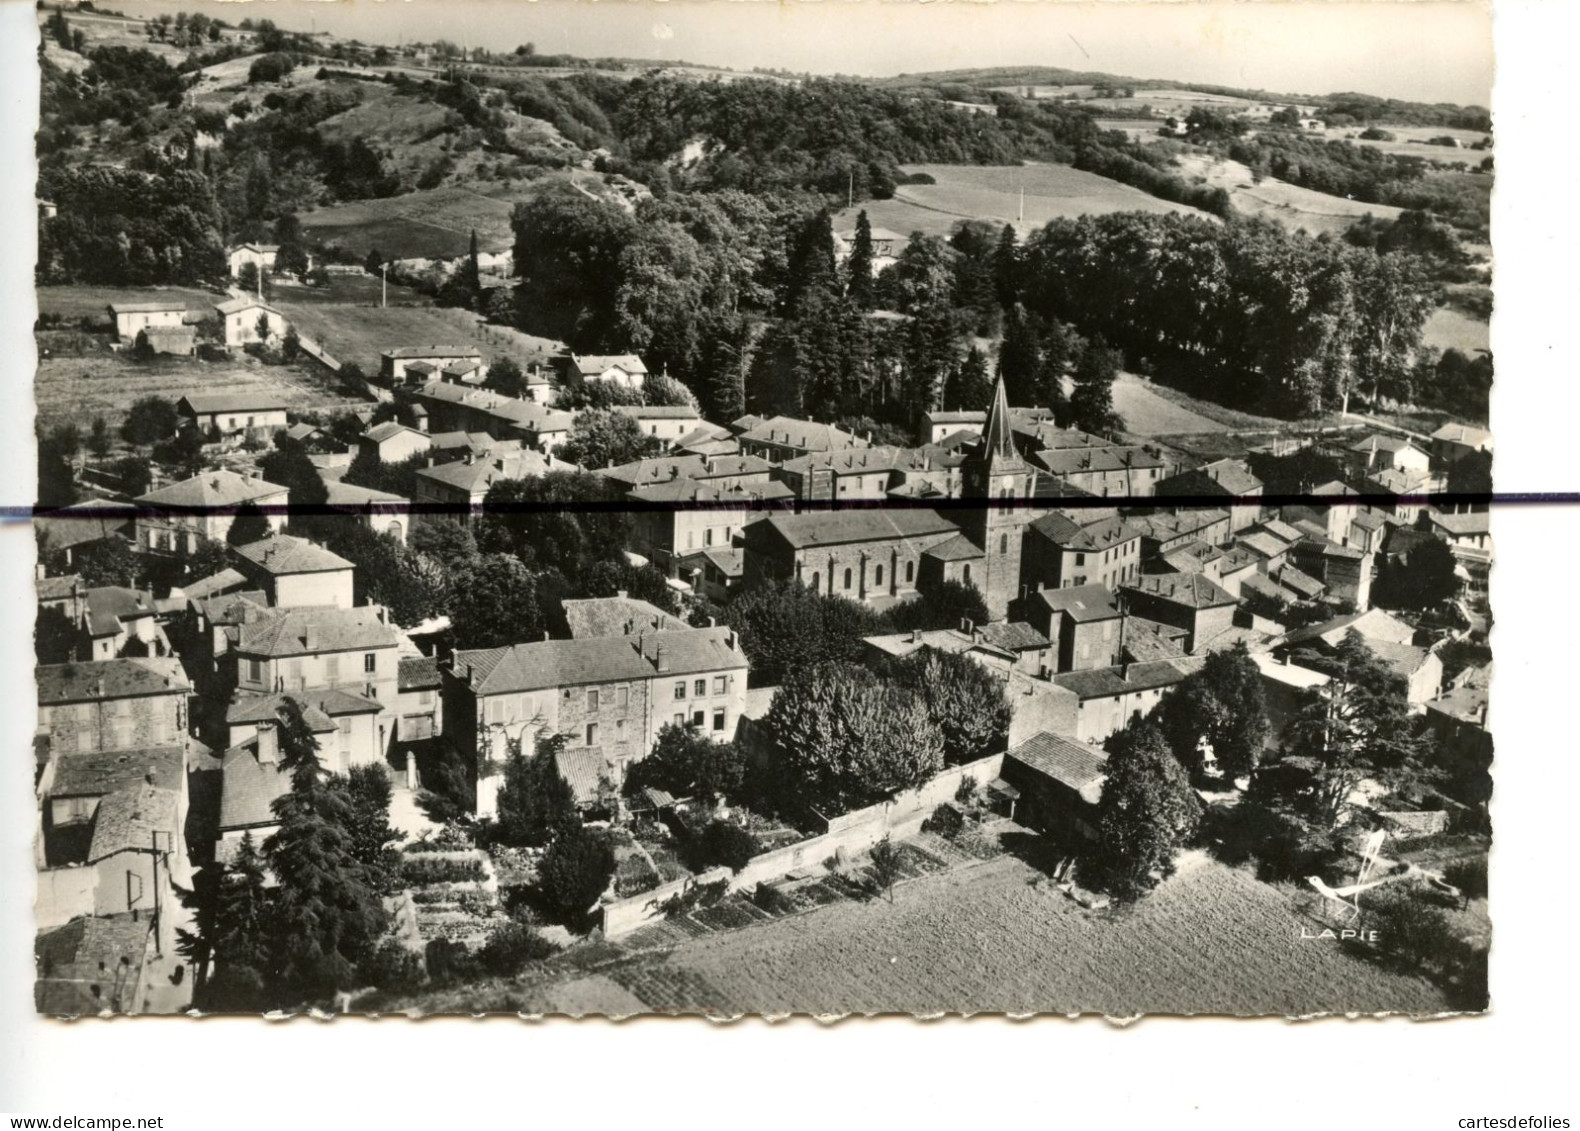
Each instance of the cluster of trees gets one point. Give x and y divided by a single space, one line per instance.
1245 313
784 625
124 226
828 135
1362 172
849 736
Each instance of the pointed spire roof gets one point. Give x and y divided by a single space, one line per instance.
1000 440
998 449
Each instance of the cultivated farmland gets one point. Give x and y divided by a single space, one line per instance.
76 387
994 938
360 334
85 301
992 192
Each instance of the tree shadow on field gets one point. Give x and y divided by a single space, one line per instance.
1045 854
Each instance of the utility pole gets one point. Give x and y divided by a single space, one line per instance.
850 189
384 290
1021 216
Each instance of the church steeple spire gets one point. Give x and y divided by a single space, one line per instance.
1000 439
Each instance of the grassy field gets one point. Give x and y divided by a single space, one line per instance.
1448 328
1296 208
361 333
1154 410
994 938
76 387
348 290
992 192
77 301
435 223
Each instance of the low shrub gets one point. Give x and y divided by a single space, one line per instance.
772 899
722 842
694 897
392 967
510 946
449 961
946 820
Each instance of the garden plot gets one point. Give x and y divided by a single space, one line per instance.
454 893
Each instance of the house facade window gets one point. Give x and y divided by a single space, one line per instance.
592 734
680 689
592 699
370 662
698 718
718 718
877 577
720 684
699 688
622 697
847 578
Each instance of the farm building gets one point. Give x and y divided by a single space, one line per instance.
177 341
132 318
420 364
231 413
625 370
260 255
244 319
1060 783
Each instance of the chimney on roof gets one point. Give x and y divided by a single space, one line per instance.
659 661
730 640
1124 671
310 637
916 636
268 744
149 776
966 627
99 688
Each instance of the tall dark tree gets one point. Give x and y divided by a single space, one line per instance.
326 917
813 265
1092 399
1355 727
1019 357
858 268
235 938
1147 812
1061 348
575 871
373 838
290 466
291 258
535 804
1007 269
495 604
686 763
1224 706
970 388
965 700
846 739
250 525
1422 579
